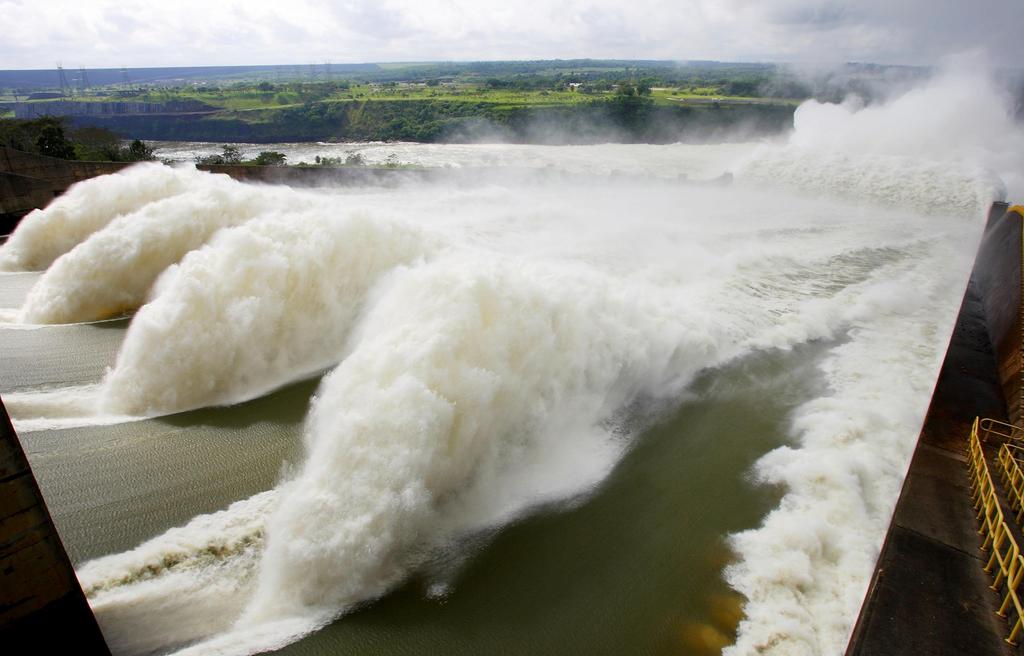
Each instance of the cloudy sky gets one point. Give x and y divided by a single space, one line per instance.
135 33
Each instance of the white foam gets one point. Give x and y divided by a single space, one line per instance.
261 305
111 272
805 569
951 145
185 584
461 372
54 409
479 379
457 368
44 235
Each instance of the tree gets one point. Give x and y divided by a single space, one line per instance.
139 152
52 142
629 111
270 158
96 144
231 155
101 145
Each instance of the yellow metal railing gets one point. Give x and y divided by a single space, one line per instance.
1012 478
988 428
1005 563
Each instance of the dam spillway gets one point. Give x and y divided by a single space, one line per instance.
795 310
928 566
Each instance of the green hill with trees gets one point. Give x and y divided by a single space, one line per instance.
553 101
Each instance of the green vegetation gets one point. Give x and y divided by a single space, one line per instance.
52 137
578 101
99 145
357 160
270 158
509 91
232 155
50 141
612 117
352 159
229 155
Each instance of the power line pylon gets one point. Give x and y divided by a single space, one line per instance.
65 88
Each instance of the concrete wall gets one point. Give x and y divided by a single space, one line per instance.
60 173
19 195
321 177
30 181
998 273
42 607
25 110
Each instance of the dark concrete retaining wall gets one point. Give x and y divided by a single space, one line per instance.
19 195
61 173
42 608
30 181
320 177
999 282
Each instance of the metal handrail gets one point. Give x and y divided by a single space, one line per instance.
1005 562
1008 432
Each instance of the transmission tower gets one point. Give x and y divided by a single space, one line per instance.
126 82
65 88
83 81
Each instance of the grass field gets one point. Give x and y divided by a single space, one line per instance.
443 106
250 98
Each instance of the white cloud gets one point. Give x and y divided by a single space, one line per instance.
111 33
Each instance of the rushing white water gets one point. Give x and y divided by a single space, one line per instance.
462 366
514 355
662 161
804 571
264 304
944 164
44 235
195 578
112 270
489 343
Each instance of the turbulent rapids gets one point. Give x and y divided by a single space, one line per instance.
494 349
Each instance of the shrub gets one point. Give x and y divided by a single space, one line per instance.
270 158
